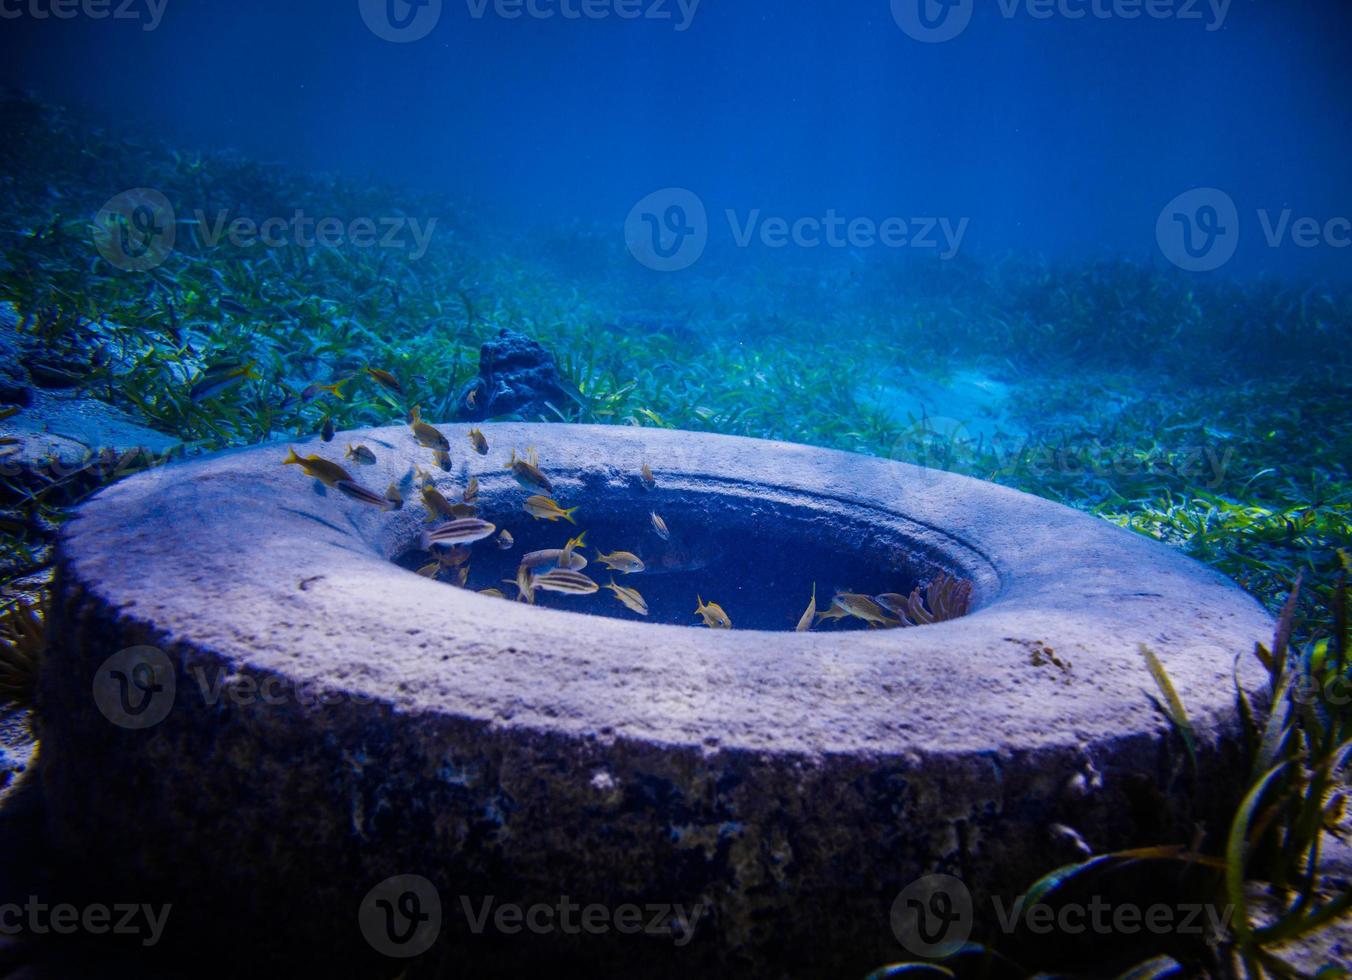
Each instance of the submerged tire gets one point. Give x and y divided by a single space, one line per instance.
322 719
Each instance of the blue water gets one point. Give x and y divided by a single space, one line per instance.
1094 250
1058 129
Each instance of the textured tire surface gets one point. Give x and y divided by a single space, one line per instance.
791 783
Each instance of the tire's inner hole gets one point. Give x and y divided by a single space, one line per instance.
757 560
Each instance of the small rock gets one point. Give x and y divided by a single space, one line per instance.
517 376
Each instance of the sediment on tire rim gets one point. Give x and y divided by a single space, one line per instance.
793 783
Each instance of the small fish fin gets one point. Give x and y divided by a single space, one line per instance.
568 515
291 457
415 416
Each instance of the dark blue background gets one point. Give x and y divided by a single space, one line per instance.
1063 137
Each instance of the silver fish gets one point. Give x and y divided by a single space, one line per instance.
466 530
563 580
356 491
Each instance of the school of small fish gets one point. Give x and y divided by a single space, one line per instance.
457 528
